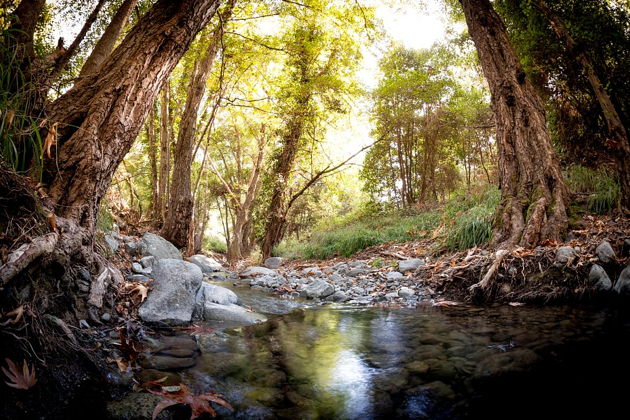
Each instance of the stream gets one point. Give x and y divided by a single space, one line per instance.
321 362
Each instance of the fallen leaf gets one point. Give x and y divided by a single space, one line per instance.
140 290
516 304
200 404
20 380
51 140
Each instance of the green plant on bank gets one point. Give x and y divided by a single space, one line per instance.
215 244
21 144
602 189
467 219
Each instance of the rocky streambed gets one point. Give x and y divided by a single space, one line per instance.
351 340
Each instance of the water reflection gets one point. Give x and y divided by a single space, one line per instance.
424 363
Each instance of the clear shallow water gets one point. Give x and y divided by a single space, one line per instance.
442 363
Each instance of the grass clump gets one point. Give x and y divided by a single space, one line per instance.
215 244
467 221
602 188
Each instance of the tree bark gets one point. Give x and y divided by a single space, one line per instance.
533 194
151 139
103 113
618 141
165 154
178 220
105 44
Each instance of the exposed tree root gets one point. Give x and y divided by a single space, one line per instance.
487 279
27 253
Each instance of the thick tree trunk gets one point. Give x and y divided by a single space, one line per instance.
533 195
24 21
105 44
103 113
619 142
178 220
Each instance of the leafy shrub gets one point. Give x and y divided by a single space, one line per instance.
216 244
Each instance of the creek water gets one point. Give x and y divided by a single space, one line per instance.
505 362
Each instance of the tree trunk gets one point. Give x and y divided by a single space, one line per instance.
24 20
105 44
178 220
165 154
102 114
151 139
619 141
533 194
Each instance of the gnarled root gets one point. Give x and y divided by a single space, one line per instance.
488 278
20 258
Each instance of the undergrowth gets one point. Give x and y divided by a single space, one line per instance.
462 222
601 187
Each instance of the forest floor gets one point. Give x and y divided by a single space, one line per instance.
550 273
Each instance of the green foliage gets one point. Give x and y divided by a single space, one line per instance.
215 244
602 189
104 219
21 144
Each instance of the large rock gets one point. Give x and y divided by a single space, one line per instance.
564 254
158 247
605 253
172 299
405 292
217 294
112 243
207 264
319 289
231 314
599 278
410 264
622 285
257 271
273 262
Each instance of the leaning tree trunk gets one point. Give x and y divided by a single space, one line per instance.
165 155
102 114
533 194
106 43
178 220
618 142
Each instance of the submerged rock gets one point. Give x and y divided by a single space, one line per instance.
410 264
158 247
172 299
605 253
207 264
232 314
599 278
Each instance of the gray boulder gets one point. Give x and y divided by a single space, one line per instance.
138 277
410 264
622 285
605 253
217 294
158 247
319 289
257 271
405 292
231 314
147 262
207 264
139 269
394 275
564 254
599 278
175 286
359 271
112 243
273 262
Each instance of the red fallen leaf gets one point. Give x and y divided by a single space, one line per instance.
200 404
21 380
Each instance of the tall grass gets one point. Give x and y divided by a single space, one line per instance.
602 188
466 221
21 144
